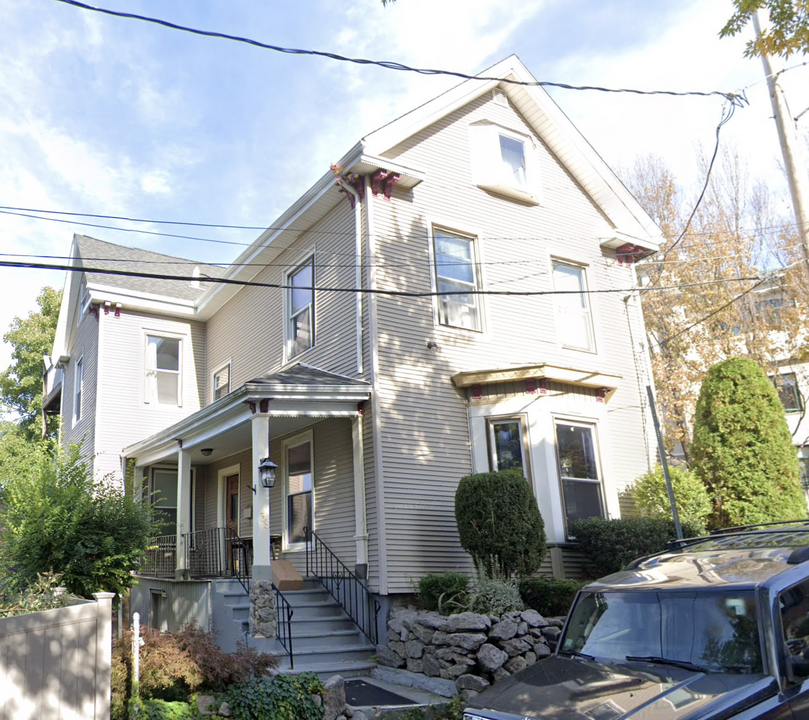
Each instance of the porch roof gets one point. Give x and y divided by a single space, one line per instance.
295 397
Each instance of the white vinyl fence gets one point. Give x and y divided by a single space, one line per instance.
55 664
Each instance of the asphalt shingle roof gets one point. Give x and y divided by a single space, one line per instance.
108 256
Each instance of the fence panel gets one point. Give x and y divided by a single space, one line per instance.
55 664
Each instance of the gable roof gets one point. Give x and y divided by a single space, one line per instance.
92 253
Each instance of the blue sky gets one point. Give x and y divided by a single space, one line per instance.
112 116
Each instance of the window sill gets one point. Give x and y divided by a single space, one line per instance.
512 192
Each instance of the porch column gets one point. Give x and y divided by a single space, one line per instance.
262 570
360 517
183 510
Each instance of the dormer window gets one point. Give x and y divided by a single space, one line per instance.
505 162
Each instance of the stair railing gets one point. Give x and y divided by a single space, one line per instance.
351 593
240 559
283 618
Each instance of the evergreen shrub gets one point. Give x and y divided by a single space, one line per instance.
610 545
690 494
742 448
549 596
443 592
499 523
493 596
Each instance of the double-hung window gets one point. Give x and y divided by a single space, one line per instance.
221 382
788 393
77 389
507 446
456 280
299 492
575 325
513 168
164 497
505 161
300 324
163 358
578 467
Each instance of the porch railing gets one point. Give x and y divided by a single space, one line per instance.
344 586
283 617
161 556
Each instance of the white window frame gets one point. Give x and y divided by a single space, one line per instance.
78 389
600 481
489 170
152 499
559 308
295 441
525 444
289 336
475 262
227 366
147 398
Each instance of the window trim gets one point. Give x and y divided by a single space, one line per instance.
487 162
147 399
289 355
556 420
583 267
796 392
525 442
292 442
227 365
78 389
476 270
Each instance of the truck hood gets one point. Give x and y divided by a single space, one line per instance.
561 688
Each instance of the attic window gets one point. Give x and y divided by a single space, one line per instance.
505 162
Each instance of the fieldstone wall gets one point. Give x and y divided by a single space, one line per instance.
473 651
263 619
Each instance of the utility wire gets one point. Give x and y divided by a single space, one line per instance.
392 293
387 64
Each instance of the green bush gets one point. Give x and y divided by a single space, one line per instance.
175 665
549 596
693 502
45 593
283 697
742 448
499 523
610 545
442 591
162 710
57 518
495 597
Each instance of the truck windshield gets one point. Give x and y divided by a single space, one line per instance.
715 631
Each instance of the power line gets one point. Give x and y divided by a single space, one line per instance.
390 65
392 293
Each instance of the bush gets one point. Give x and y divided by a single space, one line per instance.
499 523
442 591
45 593
284 697
162 710
742 448
549 596
610 545
175 665
495 597
693 502
57 518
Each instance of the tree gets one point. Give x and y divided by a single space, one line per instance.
788 32
21 382
499 523
742 448
708 311
57 518
693 502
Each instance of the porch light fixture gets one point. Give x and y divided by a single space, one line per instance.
206 451
266 472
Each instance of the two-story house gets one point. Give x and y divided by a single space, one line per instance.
454 296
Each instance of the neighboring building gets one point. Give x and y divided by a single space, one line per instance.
495 327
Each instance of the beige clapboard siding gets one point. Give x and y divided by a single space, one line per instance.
83 344
249 329
425 433
124 357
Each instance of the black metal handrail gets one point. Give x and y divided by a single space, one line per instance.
161 555
241 559
345 587
283 618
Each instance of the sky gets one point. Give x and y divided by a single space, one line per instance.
113 116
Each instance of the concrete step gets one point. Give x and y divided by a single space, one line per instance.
349 669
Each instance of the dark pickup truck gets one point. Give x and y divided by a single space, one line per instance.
712 629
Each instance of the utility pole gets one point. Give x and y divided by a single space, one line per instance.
787 136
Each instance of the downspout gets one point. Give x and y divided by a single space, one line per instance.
373 327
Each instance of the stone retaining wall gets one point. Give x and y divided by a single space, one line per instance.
473 651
